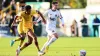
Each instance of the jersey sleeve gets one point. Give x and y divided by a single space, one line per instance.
59 15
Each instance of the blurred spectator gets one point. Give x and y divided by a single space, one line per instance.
1 15
8 17
84 20
5 4
3 18
20 6
95 27
22 3
13 13
84 26
13 8
74 28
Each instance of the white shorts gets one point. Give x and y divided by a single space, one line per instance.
51 31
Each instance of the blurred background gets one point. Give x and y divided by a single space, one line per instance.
81 17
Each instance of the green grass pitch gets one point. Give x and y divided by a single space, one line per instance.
62 47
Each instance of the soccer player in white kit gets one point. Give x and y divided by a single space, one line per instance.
51 16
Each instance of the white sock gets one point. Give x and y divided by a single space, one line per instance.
51 41
48 43
43 48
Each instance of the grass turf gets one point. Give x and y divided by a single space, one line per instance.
62 47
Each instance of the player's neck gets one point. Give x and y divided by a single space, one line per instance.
27 13
53 9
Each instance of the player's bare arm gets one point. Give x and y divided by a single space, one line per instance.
15 20
42 16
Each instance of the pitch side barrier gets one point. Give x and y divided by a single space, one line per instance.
5 30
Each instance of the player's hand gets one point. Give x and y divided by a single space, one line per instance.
34 22
17 21
44 22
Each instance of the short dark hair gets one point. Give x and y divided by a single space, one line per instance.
54 2
22 1
27 7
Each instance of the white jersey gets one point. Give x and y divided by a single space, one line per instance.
51 17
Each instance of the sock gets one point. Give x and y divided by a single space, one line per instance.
43 48
51 41
21 42
17 39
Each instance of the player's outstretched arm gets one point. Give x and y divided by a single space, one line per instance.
14 21
42 16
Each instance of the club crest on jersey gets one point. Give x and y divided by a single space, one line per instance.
50 14
56 15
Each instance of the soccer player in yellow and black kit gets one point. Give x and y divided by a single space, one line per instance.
20 30
27 16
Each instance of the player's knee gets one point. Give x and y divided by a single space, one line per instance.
22 37
56 35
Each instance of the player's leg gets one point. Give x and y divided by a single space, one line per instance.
25 45
31 34
53 38
21 37
43 48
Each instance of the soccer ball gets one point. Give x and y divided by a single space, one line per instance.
82 53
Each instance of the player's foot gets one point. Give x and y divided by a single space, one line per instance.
18 51
46 49
40 53
11 43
